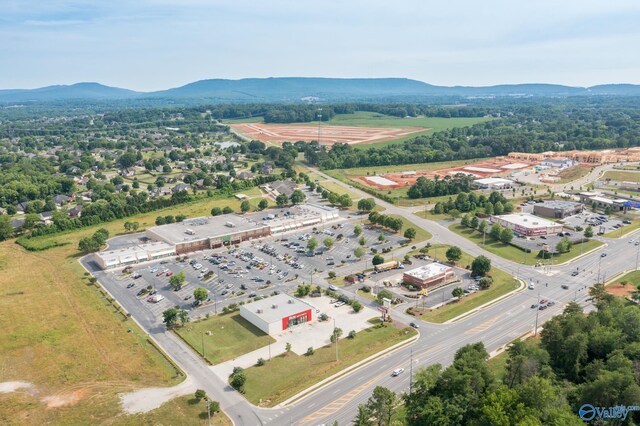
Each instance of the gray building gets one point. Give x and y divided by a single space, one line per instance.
557 209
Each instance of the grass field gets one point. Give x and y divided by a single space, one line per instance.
632 278
288 374
63 336
185 410
421 234
622 176
438 252
334 187
502 284
572 173
258 119
230 336
512 253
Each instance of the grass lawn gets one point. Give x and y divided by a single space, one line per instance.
288 374
421 234
632 278
231 336
66 338
258 119
338 189
438 251
572 173
617 233
498 364
502 284
185 410
515 254
622 176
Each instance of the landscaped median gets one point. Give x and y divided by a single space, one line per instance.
289 374
514 254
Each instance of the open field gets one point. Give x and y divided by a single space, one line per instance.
338 189
503 283
66 338
516 255
258 119
288 374
421 234
622 176
361 119
633 278
328 134
185 410
438 252
230 336
572 173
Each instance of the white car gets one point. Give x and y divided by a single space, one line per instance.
531 286
197 266
397 372
341 303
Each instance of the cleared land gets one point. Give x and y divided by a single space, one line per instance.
288 374
66 338
572 173
622 176
229 336
512 253
185 410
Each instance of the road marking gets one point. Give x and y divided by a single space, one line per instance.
482 327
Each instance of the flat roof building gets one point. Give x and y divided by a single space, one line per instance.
277 313
429 275
527 224
493 183
557 209
110 259
602 202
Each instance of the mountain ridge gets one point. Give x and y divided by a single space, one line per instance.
294 89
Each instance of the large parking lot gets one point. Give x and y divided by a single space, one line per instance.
599 222
231 274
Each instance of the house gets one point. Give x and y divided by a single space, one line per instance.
46 218
60 200
180 187
266 168
75 212
17 223
245 175
20 207
127 172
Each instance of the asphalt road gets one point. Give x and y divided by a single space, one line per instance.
495 325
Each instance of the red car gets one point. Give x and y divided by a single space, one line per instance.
159 273
169 273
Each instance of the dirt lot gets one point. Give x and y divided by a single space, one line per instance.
617 289
328 134
499 166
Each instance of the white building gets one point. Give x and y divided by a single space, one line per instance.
527 224
493 183
429 275
277 313
559 163
109 259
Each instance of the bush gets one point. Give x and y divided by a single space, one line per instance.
485 282
352 334
357 306
260 362
310 351
200 394
323 317
332 274
366 289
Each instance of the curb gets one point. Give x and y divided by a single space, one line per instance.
351 369
521 287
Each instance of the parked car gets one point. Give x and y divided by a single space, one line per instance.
130 285
169 273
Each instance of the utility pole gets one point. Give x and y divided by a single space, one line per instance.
411 373
535 330
202 335
599 262
637 254
209 411
334 333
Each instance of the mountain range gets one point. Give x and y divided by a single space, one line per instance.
298 89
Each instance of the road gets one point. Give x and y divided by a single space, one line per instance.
495 325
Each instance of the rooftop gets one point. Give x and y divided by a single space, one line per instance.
276 307
201 228
136 252
428 271
491 181
559 204
527 220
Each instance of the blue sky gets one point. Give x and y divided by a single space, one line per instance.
157 44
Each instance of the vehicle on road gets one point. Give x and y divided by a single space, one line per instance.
414 325
252 294
532 286
397 372
564 287
574 273
333 288
603 255
534 306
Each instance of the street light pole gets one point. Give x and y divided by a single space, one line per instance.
637 254
202 335
599 262
334 333
535 330
411 373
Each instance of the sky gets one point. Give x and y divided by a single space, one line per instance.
158 44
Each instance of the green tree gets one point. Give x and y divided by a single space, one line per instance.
200 394
453 254
357 230
227 210
287 347
297 197
496 231
245 206
382 405
377 260
6 230
410 233
200 294
457 292
356 306
588 232
363 418
480 266
384 294
177 280
366 204
170 317
506 236
474 222
362 241
465 221
312 244
263 204
328 243
345 201
498 208
238 379
564 245
359 252
31 220
216 211
282 200
335 335
485 282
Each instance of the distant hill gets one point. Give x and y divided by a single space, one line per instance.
295 89
88 91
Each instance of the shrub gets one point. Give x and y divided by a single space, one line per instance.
352 334
200 394
485 282
310 351
260 362
323 317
